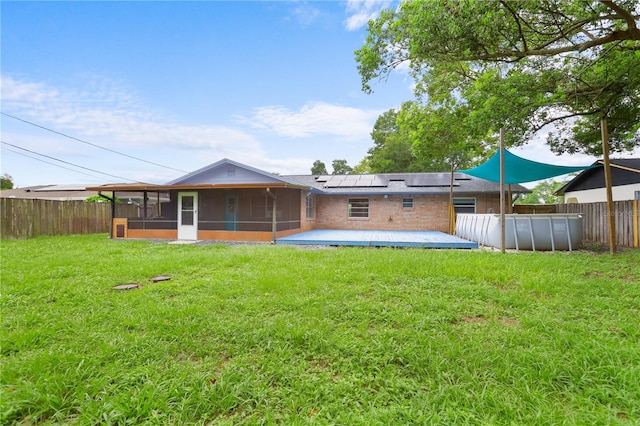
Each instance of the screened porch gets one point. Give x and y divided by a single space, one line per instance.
226 214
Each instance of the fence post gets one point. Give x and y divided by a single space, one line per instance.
636 225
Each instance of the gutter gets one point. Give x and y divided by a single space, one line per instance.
164 188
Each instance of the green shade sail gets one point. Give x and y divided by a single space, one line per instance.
519 170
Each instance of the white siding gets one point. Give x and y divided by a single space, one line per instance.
620 193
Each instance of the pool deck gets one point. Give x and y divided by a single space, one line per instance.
421 239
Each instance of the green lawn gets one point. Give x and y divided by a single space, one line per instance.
262 334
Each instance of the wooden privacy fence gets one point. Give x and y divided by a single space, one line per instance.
595 221
27 218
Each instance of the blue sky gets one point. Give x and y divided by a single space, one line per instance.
184 84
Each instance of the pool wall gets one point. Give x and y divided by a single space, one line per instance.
523 231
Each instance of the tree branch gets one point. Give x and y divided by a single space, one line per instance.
525 47
623 13
564 117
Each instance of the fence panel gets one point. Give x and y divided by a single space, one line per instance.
596 221
27 218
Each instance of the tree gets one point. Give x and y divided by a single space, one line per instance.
440 139
391 151
340 167
520 65
419 138
362 167
319 168
6 181
542 193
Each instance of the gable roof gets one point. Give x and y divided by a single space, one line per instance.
228 171
623 174
221 174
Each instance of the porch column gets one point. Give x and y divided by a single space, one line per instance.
274 223
144 209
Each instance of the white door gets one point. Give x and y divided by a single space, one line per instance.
187 215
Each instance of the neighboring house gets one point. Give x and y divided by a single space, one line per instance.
78 192
589 185
72 192
232 201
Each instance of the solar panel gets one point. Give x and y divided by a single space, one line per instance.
431 179
333 181
383 180
355 181
379 181
345 184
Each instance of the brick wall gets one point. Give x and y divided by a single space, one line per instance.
429 212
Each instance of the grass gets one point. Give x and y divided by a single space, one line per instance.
261 334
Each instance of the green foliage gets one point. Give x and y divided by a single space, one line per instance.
340 167
255 334
99 199
542 193
319 168
518 65
391 151
362 167
6 181
420 138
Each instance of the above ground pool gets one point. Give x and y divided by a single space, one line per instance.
523 231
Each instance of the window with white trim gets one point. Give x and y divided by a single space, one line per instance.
407 202
464 205
310 206
358 208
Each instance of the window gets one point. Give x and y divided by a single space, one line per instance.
407 203
310 207
464 205
358 207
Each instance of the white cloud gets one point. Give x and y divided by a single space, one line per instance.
111 115
315 118
360 12
107 111
305 14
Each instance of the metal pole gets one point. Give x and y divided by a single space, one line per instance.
452 214
502 198
113 213
144 209
608 183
